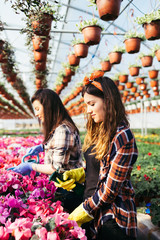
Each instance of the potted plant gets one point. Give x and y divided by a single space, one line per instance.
73 59
151 24
80 48
108 10
129 84
116 55
121 87
97 71
105 64
153 73
140 79
133 89
146 59
156 51
69 70
123 77
134 69
91 31
40 43
154 83
143 86
132 41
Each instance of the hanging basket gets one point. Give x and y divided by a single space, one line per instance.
121 87
147 61
153 83
129 84
92 34
69 72
41 25
11 77
153 74
40 56
108 10
40 66
40 43
66 79
81 50
157 54
139 80
134 71
143 86
132 45
115 57
116 82
134 89
123 78
106 66
73 60
152 30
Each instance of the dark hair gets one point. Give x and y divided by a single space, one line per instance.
54 111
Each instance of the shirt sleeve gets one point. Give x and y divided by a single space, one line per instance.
119 168
58 148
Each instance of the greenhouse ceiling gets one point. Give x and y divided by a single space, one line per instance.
73 12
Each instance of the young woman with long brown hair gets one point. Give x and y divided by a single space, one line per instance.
111 206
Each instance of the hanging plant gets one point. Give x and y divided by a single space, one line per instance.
156 51
40 43
108 10
91 31
132 41
80 48
140 79
129 84
123 77
69 70
133 89
146 59
134 69
154 83
153 73
116 55
151 24
105 64
73 60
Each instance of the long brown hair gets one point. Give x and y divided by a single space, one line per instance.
54 111
101 134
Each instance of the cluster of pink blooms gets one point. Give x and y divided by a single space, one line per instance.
27 206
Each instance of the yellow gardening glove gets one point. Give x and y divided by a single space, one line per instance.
78 174
80 216
68 185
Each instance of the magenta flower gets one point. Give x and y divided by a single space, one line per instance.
41 233
4 235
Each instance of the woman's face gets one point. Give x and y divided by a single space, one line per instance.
39 111
95 107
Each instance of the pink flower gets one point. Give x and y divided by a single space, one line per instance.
41 233
52 236
4 235
79 233
149 154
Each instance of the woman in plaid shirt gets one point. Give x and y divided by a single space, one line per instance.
62 145
112 205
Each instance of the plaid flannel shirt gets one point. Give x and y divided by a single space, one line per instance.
114 196
63 149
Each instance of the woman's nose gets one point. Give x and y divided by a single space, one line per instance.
88 109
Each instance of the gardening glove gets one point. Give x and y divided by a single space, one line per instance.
23 168
35 150
67 185
78 174
80 216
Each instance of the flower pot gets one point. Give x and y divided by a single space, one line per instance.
143 86
157 54
147 61
108 10
132 45
92 34
155 88
81 50
98 73
3 57
66 79
147 95
125 93
106 66
41 25
121 87
123 78
115 57
40 66
6 69
156 93
40 56
11 77
153 83
40 43
152 30
69 72
134 89
129 84
73 60
116 82
134 71
153 74
139 80
137 94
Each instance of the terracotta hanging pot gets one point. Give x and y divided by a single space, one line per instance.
106 66
73 60
134 71
134 89
129 84
6 69
153 74
156 93
69 72
40 43
155 88
108 10
92 34
98 73
147 95
125 93
153 83
123 78
139 80
147 61
115 57
41 25
3 56
152 30
137 94
143 86
81 50
40 66
66 79
116 82
121 87
132 45
157 54
40 56
11 77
